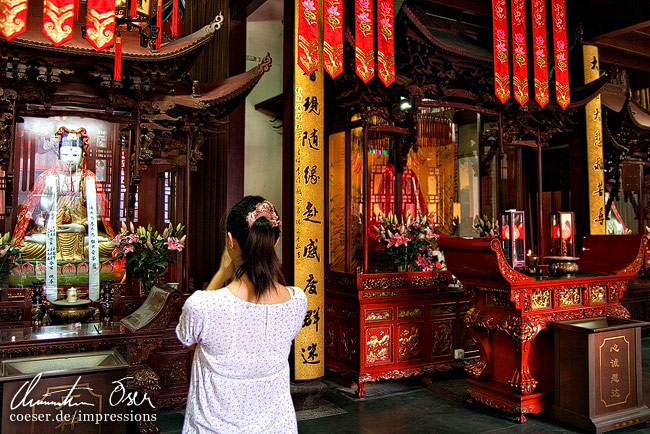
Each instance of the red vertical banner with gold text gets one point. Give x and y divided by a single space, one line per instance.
100 23
561 54
500 46
540 51
58 18
519 52
385 42
364 45
307 49
333 37
13 18
309 209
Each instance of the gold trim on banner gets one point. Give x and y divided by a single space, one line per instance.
9 20
309 207
99 34
55 28
593 111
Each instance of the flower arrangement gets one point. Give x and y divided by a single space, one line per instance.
410 242
8 254
147 252
486 227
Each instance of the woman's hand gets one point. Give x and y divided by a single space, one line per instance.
226 272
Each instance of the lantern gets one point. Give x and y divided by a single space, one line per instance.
513 237
563 233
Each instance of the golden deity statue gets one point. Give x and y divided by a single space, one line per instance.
70 177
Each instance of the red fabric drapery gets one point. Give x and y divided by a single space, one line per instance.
333 38
519 52
561 54
174 17
134 8
100 23
364 40
385 42
540 51
500 45
308 36
13 16
159 24
58 18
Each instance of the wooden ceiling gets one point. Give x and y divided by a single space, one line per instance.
620 28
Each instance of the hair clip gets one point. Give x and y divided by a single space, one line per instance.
264 209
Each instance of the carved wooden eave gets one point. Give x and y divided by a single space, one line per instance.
131 50
221 96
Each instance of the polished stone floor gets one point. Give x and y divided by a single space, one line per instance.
407 407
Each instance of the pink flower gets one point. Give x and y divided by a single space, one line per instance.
430 234
364 18
501 34
560 57
519 38
520 51
539 40
133 238
560 44
385 8
501 46
363 4
540 53
401 240
333 10
308 5
385 22
118 239
127 248
174 244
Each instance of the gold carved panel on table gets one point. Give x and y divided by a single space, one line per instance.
441 338
410 342
382 294
598 294
570 296
615 371
442 309
378 346
410 312
383 282
379 314
497 299
541 299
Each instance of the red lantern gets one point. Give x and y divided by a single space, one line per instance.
563 233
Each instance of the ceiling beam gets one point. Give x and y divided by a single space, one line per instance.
474 7
628 43
241 9
622 31
613 56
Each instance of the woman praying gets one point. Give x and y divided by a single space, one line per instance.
243 332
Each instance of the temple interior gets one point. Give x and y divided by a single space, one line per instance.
464 189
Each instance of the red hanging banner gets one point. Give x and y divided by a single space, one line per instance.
541 47
519 52
159 24
364 50
134 9
308 36
333 38
58 17
385 42
500 46
100 23
562 92
13 17
174 17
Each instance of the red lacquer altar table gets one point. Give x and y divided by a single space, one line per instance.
511 311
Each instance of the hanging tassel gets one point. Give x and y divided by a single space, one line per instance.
76 9
159 24
175 18
134 9
117 72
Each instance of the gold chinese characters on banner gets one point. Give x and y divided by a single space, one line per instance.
309 212
593 113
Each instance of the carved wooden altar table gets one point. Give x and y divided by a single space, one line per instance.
511 311
393 325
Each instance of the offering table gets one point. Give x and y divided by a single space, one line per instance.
511 311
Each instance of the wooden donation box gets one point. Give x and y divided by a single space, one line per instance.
598 384
511 312
82 383
393 325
